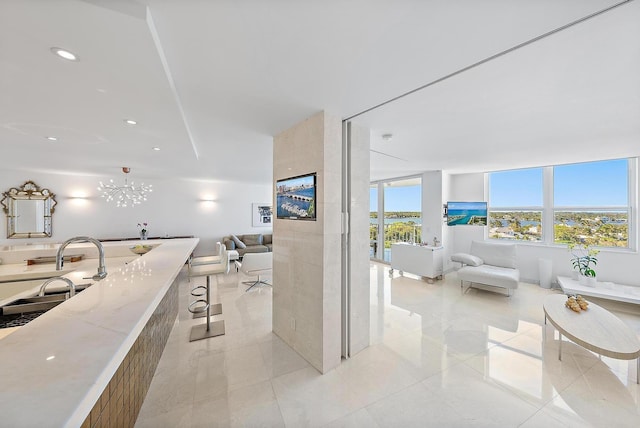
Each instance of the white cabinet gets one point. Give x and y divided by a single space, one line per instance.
417 259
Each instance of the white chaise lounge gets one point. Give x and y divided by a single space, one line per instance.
489 263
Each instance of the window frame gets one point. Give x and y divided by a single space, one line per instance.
549 209
380 185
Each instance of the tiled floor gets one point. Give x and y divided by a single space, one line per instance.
437 358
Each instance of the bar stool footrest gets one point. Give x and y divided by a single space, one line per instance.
201 291
216 309
200 309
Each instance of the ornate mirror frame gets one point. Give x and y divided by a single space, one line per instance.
29 210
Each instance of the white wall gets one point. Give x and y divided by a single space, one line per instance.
432 206
463 187
613 265
175 207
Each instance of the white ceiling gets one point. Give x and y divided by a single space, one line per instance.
211 82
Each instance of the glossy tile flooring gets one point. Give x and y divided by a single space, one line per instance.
438 358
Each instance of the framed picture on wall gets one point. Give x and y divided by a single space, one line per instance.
296 198
262 214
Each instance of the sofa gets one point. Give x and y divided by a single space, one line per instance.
250 243
489 263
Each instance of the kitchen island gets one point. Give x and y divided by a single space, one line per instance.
89 361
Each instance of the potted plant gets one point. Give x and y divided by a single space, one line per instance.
143 230
583 261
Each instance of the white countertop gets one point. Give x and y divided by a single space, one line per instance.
78 272
18 272
53 369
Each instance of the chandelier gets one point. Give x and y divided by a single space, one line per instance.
127 195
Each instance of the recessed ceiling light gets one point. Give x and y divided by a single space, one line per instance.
130 122
52 138
157 149
63 53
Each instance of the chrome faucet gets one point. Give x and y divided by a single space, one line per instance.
72 286
102 271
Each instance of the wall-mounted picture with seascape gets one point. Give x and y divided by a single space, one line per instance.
466 214
296 198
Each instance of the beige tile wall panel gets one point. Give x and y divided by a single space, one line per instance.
306 267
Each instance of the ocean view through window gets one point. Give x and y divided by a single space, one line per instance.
591 203
515 204
400 211
586 203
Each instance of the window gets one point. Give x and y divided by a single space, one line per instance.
516 204
591 203
585 203
397 217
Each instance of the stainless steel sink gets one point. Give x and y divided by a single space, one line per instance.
33 304
21 311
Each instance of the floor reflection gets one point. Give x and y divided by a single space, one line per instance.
437 358
503 339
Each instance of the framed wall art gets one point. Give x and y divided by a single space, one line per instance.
262 214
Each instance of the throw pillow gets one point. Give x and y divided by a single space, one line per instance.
466 259
266 239
229 244
255 239
238 242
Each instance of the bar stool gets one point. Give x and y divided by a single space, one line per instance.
206 260
202 307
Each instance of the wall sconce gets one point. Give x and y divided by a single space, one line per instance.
79 198
208 204
207 198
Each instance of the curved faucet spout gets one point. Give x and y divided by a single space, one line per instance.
72 286
102 271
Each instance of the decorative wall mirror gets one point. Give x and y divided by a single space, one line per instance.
29 210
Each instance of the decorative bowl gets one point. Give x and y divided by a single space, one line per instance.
141 249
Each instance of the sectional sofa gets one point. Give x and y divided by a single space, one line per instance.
250 243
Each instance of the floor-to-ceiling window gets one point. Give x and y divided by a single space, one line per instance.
396 214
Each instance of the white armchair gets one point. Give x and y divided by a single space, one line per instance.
256 264
489 263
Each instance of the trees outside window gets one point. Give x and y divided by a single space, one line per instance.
587 203
515 204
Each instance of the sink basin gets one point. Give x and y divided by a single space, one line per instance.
33 304
21 311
